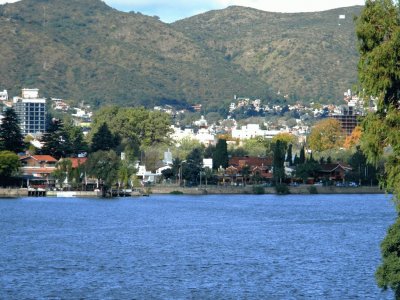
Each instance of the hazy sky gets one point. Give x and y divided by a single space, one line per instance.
171 10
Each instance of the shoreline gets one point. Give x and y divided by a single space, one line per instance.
209 190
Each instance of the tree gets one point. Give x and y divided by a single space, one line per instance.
307 170
11 138
63 171
278 161
362 171
9 165
289 155
353 139
135 124
220 155
302 158
193 166
186 146
325 135
256 146
76 138
104 166
56 141
378 32
103 139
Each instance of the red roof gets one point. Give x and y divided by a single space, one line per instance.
77 161
47 158
252 161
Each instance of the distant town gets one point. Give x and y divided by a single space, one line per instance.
274 122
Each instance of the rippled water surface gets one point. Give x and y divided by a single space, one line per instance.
204 247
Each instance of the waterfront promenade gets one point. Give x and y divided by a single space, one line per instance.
212 190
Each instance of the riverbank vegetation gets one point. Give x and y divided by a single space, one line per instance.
378 32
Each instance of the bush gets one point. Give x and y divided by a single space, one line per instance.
282 189
258 190
176 193
312 190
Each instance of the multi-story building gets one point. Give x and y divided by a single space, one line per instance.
31 112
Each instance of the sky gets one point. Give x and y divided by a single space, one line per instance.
172 10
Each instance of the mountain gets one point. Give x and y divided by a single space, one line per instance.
87 51
304 55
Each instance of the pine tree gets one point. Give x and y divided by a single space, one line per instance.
289 155
103 139
302 158
11 138
55 140
220 155
278 161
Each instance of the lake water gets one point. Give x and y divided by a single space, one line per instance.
198 247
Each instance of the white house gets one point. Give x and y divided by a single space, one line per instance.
4 95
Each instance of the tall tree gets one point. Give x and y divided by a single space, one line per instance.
278 161
55 140
194 164
289 154
11 138
103 139
302 157
104 166
220 155
378 32
76 138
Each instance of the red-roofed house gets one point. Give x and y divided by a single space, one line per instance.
335 172
40 166
246 168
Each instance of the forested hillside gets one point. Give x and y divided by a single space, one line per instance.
86 51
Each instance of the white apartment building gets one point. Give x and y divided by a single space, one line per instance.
31 112
247 132
4 95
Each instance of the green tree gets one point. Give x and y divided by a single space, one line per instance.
104 166
135 124
9 165
186 145
76 138
193 166
56 140
362 171
302 157
125 173
289 155
11 138
307 170
63 171
378 32
256 146
279 149
103 139
220 155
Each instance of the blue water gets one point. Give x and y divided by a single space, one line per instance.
203 247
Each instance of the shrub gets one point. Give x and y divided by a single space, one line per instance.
282 189
312 190
258 190
176 193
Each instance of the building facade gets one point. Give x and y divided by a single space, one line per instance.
31 112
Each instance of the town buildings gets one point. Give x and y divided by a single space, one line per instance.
31 112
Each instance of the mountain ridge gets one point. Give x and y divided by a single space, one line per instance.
86 50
